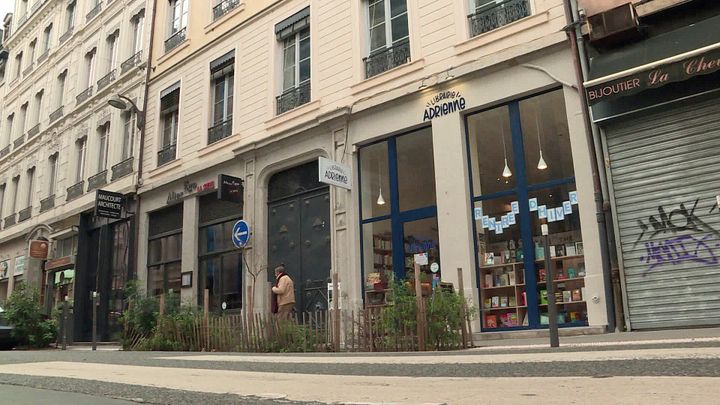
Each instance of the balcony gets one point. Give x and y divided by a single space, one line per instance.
106 80
386 59
35 7
64 37
224 7
495 15
80 98
122 169
175 40
220 131
75 191
4 151
293 98
47 203
28 69
94 12
22 20
33 131
25 214
10 221
167 154
132 62
43 56
57 114
97 181
18 142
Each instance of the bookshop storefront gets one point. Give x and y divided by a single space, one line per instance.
466 174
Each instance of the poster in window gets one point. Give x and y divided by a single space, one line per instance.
19 265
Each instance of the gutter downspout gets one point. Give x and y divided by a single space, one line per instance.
595 148
148 67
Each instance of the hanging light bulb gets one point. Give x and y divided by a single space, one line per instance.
541 164
506 171
380 200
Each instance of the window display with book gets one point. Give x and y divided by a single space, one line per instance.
522 177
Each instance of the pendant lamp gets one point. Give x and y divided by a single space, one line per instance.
506 171
380 200
541 163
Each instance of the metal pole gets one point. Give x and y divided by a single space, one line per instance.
63 327
420 316
550 283
336 311
94 320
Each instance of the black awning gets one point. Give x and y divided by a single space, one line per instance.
292 24
221 62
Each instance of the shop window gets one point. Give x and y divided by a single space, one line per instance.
522 177
397 198
221 268
165 251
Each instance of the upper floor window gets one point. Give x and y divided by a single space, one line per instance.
31 51
90 68
24 7
47 37
169 118
128 134
23 118
52 173
70 16
2 199
389 42
13 196
103 134
60 89
8 130
18 64
138 28
80 147
222 72
178 15
488 15
294 34
30 187
222 7
112 49
37 108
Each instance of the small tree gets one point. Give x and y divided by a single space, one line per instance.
24 313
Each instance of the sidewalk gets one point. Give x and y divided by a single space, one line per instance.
608 339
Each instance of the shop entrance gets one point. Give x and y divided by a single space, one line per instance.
299 233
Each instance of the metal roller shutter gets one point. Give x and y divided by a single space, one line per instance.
665 169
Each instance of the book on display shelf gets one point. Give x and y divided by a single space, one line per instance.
491 321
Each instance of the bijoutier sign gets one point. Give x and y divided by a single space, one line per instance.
444 103
706 63
334 173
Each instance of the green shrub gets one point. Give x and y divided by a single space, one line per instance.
24 313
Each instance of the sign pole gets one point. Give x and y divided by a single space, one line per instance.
550 288
94 320
64 322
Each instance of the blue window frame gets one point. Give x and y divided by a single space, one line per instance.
526 131
395 204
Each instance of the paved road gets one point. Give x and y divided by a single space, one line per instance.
667 371
19 395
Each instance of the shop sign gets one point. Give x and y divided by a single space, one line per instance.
189 189
60 262
109 204
19 265
706 63
38 249
334 173
230 189
444 103
4 266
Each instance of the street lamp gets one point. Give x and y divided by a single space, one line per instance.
123 103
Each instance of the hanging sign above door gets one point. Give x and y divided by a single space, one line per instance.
334 173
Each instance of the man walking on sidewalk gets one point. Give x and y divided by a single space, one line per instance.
283 294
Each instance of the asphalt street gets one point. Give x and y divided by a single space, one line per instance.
22 370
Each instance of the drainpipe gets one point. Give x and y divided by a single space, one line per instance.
148 67
602 207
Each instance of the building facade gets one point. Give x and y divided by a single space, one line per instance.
61 142
458 119
653 91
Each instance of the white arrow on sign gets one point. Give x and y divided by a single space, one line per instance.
239 234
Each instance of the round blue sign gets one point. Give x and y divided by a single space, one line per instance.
240 234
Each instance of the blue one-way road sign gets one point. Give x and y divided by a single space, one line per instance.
240 234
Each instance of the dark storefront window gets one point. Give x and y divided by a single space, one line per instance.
220 261
165 250
523 177
399 213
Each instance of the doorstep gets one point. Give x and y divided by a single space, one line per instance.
539 333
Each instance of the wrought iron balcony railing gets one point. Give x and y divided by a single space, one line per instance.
64 37
388 58
133 61
94 12
224 7
35 7
495 15
167 154
122 169
175 40
57 114
22 20
47 203
28 69
18 142
105 80
80 98
43 56
97 181
75 191
25 214
10 220
293 98
4 151
33 131
220 131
